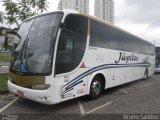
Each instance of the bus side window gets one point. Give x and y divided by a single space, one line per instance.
65 48
65 51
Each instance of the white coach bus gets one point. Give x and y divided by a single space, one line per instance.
64 54
157 64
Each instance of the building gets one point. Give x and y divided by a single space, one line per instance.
104 9
6 34
80 5
3 32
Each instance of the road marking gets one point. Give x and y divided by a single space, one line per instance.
81 108
124 91
7 96
93 110
9 104
147 84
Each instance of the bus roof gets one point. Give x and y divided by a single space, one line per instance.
69 11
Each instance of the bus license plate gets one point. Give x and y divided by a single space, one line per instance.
19 93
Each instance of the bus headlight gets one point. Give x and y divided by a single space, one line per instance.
41 87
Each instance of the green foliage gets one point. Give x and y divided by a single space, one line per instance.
42 5
5 57
3 82
1 16
18 11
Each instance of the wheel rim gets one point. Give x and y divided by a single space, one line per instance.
145 76
96 87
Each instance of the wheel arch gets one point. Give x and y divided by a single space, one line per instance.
97 73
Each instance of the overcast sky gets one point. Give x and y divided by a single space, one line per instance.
139 17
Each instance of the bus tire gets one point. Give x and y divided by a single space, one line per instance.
145 74
96 88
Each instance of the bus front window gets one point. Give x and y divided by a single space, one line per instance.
72 44
37 45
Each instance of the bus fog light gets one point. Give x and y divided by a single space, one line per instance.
41 87
43 98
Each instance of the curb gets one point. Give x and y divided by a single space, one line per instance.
4 66
4 93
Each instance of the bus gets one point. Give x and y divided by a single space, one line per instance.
64 54
157 65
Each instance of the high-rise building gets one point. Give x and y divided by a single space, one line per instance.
80 5
104 9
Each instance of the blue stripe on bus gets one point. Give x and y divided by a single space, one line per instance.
78 78
102 66
72 85
68 88
66 91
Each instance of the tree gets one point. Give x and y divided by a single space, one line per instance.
42 5
25 10
1 17
12 12
18 11
39 5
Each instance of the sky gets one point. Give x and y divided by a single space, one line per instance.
139 17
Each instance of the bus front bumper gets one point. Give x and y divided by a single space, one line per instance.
41 96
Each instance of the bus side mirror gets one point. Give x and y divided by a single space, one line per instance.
9 40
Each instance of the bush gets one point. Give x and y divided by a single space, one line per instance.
5 57
3 82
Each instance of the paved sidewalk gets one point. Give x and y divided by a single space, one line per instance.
4 67
4 63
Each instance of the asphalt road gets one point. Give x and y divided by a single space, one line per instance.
139 97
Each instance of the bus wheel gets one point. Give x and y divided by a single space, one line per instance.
145 74
96 88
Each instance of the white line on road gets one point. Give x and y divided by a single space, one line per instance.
4 66
147 84
124 91
9 104
81 108
93 110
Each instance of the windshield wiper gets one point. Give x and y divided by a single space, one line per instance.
16 44
24 66
21 55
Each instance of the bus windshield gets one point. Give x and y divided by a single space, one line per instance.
36 47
